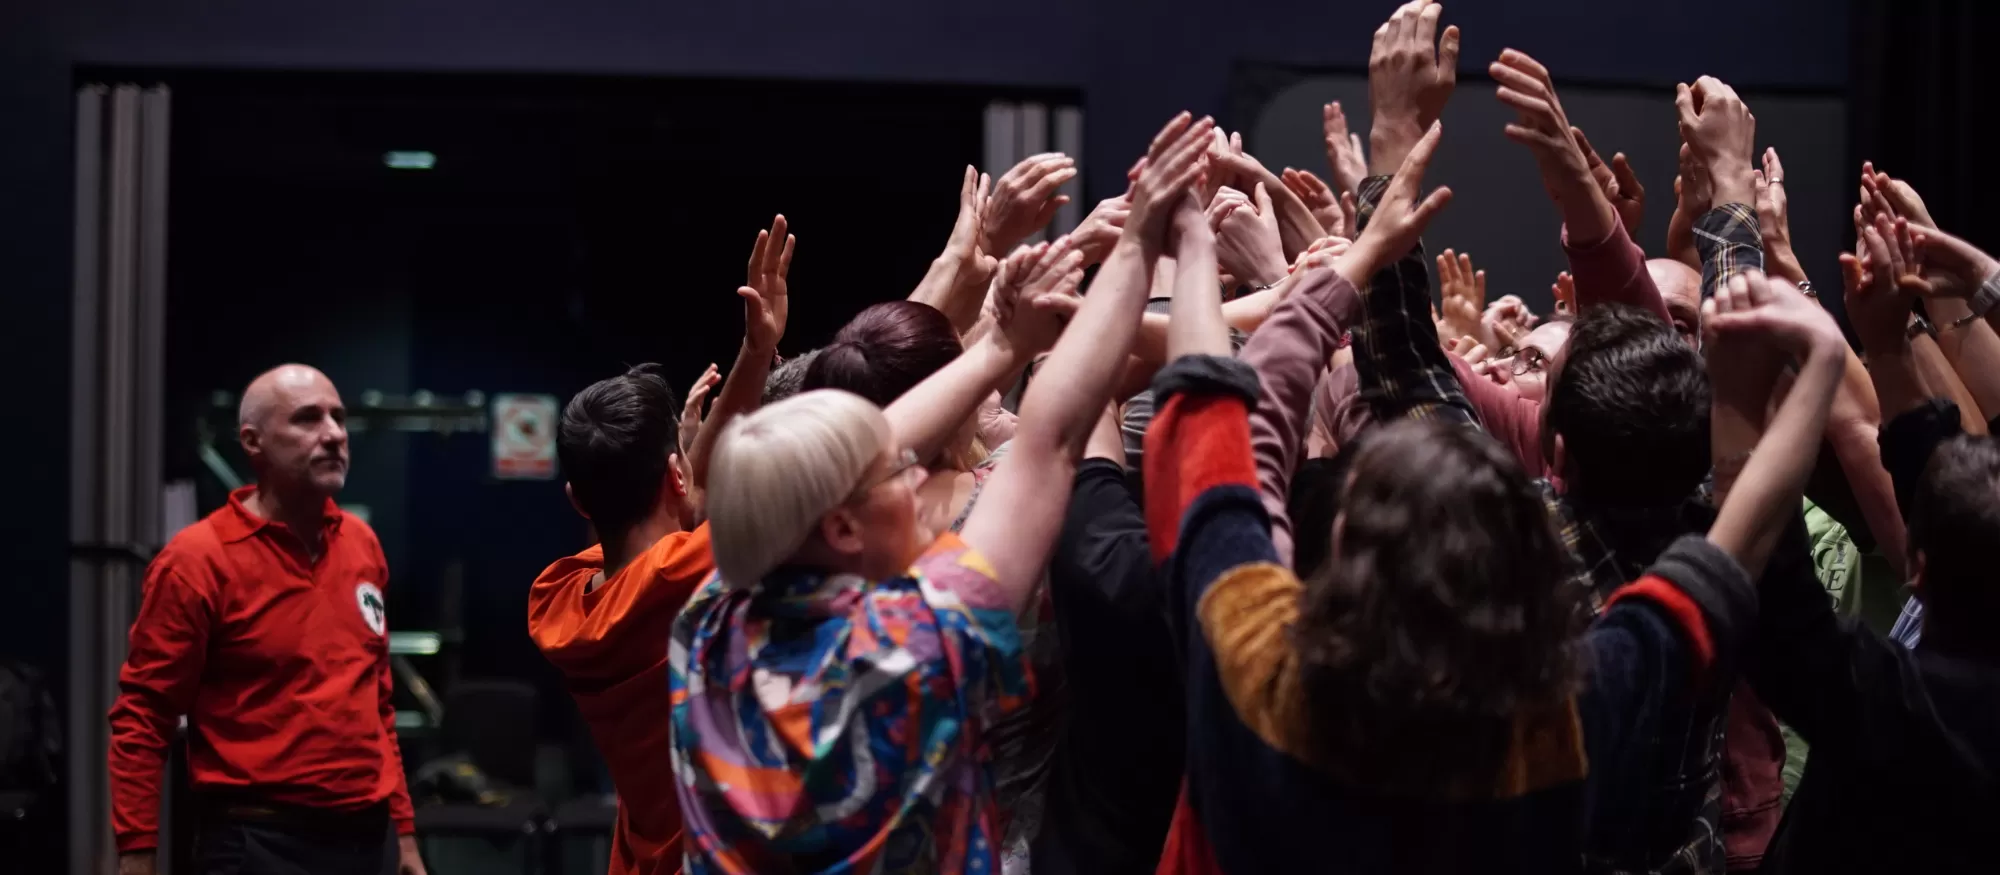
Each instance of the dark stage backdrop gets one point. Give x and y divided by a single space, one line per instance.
571 227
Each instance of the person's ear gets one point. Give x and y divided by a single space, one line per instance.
841 531
677 476
569 492
1914 570
251 441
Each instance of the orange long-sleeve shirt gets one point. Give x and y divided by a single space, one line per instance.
611 645
280 664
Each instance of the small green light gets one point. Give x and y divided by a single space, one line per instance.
402 160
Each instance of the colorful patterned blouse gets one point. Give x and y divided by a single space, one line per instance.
827 724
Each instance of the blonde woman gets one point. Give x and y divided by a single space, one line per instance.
833 684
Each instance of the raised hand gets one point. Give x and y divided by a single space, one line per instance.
1401 216
1543 127
766 298
1246 236
1773 309
1178 155
1462 296
1100 230
1692 197
1619 184
1722 134
692 410
1314 193
1964 265
1411 74
1774 221
1877 304
1034 294
1024 200
1505 322
1343 149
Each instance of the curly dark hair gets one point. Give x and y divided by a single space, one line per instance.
1442 611
1631 402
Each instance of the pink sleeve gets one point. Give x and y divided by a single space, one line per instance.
1288 352
1514 421
1613 271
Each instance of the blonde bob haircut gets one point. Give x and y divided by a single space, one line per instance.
776 472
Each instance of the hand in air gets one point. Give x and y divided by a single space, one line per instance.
1246 236
1722 133
691 412
1178 155
1025 200
1772 309
1411 73
1100 230
1034 295
1619 184
1327 208
1401 216
1343 148
766 298
1878 303
1774 221
1462 296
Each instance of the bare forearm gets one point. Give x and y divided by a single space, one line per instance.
1860 455
1973 349
945 288
741 392
926 418
1755 507
1197 327
1900 386
1090 355
1245 314
1939 375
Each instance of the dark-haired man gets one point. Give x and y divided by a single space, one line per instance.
603 616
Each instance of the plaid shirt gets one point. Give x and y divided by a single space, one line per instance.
1729 243
1404 372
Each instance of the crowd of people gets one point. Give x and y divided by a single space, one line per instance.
1277 565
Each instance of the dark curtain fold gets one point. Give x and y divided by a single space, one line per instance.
1925 74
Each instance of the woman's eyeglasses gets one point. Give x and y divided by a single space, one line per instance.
1529 360
905 463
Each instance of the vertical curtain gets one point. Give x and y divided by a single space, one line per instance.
1924 76
116 429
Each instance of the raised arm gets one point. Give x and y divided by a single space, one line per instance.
1757 505
1607 265
1288 354
957 279
766 307
1720 134
1020 510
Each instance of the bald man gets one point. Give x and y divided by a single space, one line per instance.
1680 289
264 625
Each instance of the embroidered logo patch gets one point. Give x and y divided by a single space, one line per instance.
369 599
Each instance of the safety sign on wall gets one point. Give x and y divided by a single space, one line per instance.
524 437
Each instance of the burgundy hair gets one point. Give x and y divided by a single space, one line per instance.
885 351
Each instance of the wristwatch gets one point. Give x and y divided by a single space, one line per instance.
1986 296
1918 325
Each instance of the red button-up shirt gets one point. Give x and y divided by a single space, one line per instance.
279 662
